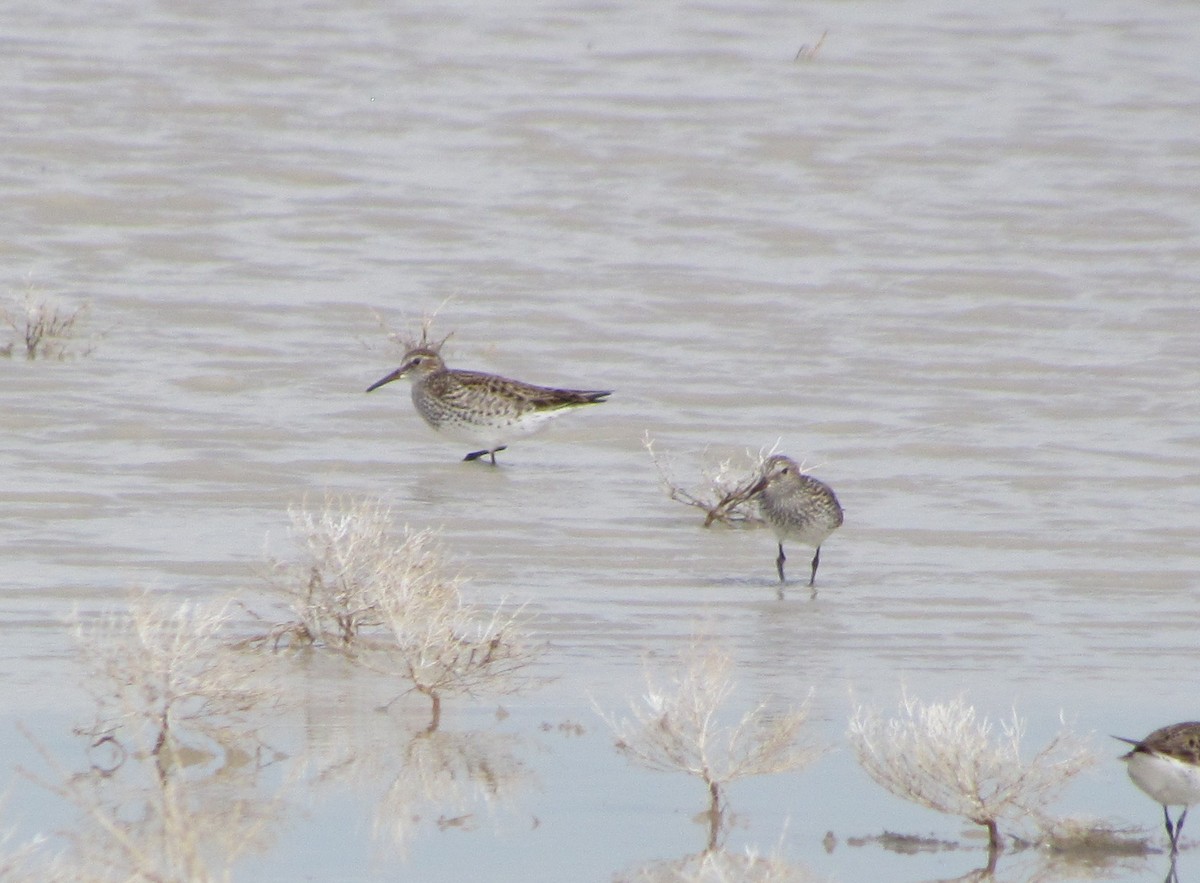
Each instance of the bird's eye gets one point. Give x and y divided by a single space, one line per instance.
784 471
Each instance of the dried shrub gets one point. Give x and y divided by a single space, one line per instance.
384 599
945 757
351 564
44 330
165 679
676 727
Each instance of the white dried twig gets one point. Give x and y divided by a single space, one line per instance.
722 489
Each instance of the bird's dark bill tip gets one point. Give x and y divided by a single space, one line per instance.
387 378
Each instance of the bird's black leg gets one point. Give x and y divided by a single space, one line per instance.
1173 830
816 560
779 562
475 455
1179 827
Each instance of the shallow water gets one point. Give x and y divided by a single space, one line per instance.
949 261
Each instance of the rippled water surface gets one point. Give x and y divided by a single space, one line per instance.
945 253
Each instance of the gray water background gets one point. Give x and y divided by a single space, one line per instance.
949 259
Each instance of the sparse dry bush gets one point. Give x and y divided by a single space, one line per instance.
43 330
352 563
384 600
722 490
944 757
454 649
164 679
676 727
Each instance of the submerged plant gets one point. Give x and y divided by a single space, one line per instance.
945 757
43 330
676 727
384 599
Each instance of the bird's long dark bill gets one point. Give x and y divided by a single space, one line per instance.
755 488
738 495
395 375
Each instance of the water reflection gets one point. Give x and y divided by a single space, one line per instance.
430 779
716 865
453 775
180 813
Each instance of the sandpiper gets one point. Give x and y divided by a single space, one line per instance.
1166 765
480 408
797 507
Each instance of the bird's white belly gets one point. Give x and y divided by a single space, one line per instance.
1169 781
496 432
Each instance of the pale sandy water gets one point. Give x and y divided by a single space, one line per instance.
951 261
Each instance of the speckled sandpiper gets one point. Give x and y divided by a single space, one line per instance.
797 507
479 408
1166 765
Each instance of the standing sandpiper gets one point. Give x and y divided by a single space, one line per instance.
1166 765
798 507
479 408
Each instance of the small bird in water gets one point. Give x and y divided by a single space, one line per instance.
480 408
797 507
1166 765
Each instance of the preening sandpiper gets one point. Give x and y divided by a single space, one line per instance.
1166 765
798 508
479 408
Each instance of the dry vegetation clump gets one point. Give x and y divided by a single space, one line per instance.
453 648
173 759
723 489
944 757
351 564
167 682
408 341
43 330
676 727
384 599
